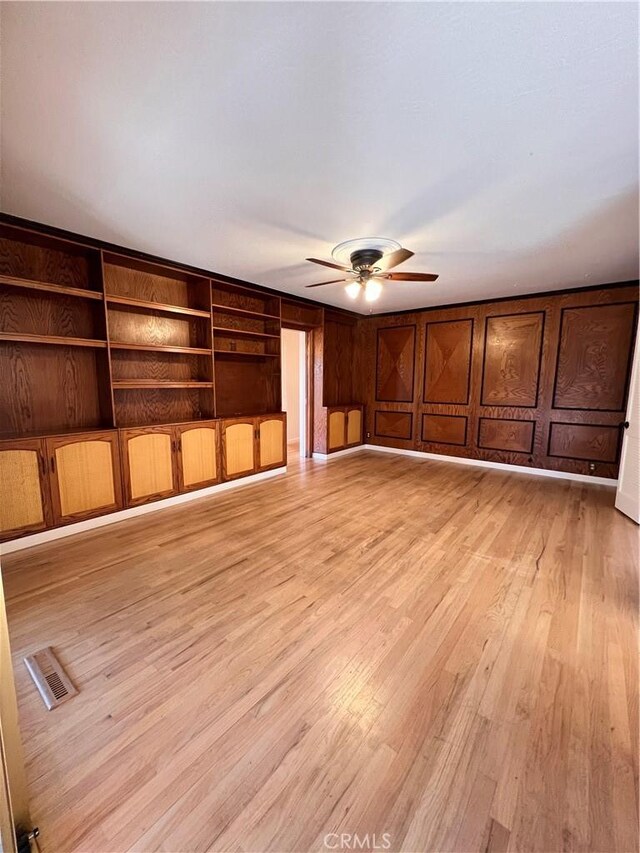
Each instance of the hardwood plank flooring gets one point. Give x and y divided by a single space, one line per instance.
436 657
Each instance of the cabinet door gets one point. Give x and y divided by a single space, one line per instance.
24 488
148 463
272 441
84 475
336 434
198 457
238 447
354 426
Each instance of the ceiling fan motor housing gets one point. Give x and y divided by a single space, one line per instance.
365 258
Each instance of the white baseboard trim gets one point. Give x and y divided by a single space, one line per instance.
500 466
324 457
132 512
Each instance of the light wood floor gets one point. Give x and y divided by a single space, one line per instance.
373 645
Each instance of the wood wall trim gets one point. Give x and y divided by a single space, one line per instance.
393 356
409 431
464 399
526 355
576 434
434 416
583 341
518 442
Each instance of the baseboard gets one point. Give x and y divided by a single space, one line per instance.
122 515
324 457
499 466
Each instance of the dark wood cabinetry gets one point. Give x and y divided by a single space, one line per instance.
125 379
343 427
114 372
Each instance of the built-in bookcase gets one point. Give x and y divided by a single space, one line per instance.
246 345
91 338
54 365
159 329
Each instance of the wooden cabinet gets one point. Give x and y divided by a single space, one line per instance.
344 427
272 441
238 447
198 455
161 461
354 426
149 463
24 488
84 475
46 482
253 444
336 432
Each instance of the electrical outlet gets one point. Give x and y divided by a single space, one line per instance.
592 467
368 435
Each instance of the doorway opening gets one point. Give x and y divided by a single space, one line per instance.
294 389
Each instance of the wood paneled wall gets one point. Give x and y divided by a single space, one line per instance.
342 349
539 381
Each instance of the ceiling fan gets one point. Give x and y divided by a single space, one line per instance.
367 262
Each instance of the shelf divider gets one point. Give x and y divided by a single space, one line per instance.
125 384
230 309
226 332
56 340
160 348
156 306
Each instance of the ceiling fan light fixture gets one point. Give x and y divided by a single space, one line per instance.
353 289
372 290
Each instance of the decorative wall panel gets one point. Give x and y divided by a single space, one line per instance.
514 396
512 352
513 436
594 357
584 441
447 367
395 364
445 429
393 425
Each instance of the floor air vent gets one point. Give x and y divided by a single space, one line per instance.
49 677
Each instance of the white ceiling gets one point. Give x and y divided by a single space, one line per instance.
498 141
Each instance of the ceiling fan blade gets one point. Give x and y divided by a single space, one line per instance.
409 276
394 258
329 264
322 283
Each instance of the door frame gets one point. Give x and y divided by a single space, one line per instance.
624 502
308 380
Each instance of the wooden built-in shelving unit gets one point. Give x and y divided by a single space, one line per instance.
159 326
246 349
124 379
91 338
